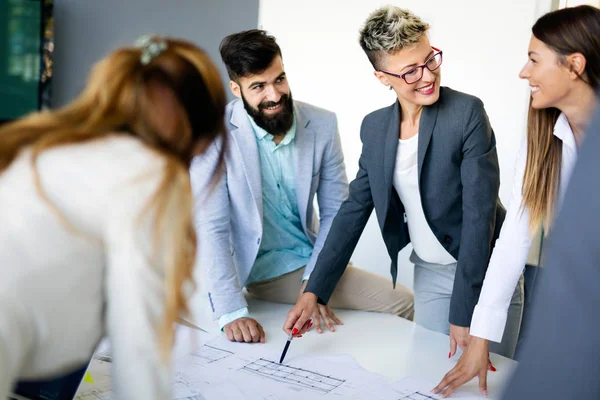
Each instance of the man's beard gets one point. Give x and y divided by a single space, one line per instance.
277 124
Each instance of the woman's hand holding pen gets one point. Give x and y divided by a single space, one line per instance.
321 312
306 306
301 312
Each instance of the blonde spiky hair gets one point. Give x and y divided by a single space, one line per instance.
388 30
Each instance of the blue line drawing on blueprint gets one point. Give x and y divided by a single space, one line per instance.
417 396
183 389
209 354
291 375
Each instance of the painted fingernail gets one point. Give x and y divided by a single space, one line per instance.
449 354
484 393
492 368
295 331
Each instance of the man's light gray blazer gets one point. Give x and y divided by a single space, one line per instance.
229 219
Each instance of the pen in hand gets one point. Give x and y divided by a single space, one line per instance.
294 332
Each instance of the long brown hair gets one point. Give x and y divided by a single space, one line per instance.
566 31
174 103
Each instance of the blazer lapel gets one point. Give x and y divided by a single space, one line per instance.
426 126
390 148
245 140
304 149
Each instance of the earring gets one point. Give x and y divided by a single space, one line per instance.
390 87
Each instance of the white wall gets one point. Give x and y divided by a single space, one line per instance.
573 3
484 43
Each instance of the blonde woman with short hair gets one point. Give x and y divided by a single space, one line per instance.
96 218
430 170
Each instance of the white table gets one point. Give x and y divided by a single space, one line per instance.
381 343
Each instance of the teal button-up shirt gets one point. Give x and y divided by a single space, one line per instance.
284 246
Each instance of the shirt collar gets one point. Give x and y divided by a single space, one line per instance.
262 134
563 131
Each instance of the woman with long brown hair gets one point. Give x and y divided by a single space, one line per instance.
96 218
563 71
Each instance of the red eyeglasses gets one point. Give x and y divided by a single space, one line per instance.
415 74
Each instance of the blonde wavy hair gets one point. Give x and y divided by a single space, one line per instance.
175 105
388 30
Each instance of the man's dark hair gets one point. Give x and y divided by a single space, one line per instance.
248 53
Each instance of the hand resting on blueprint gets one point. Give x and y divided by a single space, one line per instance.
475 361
245 330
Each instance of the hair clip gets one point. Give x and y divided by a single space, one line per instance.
151 47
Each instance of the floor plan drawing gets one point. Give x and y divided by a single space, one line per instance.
210 354
292 375
196 397
417 396
417 388
209 367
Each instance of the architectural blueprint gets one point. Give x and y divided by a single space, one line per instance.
209 367
220 369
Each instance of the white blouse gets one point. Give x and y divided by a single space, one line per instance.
512 247
60 290
406 183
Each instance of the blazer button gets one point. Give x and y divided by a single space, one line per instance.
447 239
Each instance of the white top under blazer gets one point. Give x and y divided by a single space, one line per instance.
406 183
